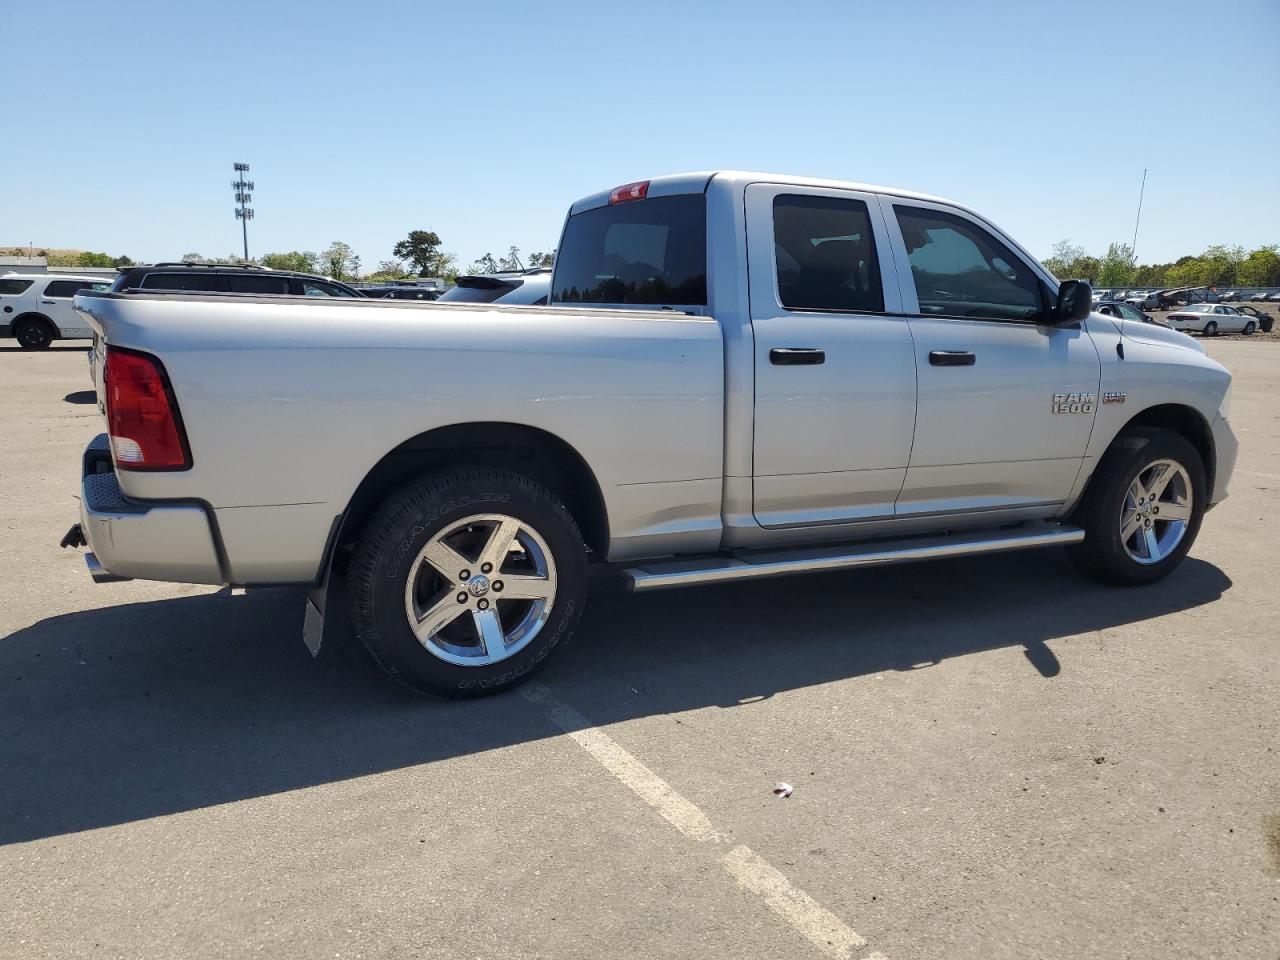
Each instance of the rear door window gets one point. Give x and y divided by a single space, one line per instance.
206 282
650 251
13 287
318 288
66 288
257 283
961 270
825 255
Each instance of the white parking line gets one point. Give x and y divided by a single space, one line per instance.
816 923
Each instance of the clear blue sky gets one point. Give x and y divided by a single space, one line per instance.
363 121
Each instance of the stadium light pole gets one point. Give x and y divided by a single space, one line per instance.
244 213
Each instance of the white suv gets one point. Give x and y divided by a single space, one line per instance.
35 308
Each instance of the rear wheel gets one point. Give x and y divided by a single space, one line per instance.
1249 328
33 333
1143 508
466 582
1211 329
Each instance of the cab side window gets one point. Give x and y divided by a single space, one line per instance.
961 270
825 255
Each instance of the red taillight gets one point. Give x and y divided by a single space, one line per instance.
630 191
142 416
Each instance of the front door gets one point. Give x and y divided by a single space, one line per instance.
835 382
1006 400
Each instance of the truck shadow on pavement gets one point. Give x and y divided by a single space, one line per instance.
124 713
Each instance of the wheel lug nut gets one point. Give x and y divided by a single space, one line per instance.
465 575
497 586
486 567
483 604
462 597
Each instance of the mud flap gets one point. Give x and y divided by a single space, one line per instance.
313 621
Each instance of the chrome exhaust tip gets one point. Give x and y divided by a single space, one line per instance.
100 573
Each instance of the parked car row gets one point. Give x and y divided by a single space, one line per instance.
36 309
1260 296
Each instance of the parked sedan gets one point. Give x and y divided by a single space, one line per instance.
1210 319
1258 297
1231 296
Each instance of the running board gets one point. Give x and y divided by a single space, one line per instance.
661 574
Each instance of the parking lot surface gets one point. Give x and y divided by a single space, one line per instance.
990 758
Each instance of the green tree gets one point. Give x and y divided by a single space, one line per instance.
1261 268
539 259
422 249
299 261
512 260
340 261
486 264
121 261
1117 268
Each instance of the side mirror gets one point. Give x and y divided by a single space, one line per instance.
1075 300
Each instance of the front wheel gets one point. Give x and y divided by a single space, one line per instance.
1249 328
33 333
467 581
1210 329
1142 510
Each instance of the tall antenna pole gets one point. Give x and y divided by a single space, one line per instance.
1133 247
243 213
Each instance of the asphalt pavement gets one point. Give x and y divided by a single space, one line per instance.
990 758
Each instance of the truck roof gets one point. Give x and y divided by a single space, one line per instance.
679 183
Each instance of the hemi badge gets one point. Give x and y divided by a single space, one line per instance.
1111 397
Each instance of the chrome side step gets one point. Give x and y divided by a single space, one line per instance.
662 574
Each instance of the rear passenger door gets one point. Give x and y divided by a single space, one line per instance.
1006 400
834 369
55 303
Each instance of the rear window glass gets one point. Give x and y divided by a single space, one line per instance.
258 283
11 287
184 281
647 251
478 294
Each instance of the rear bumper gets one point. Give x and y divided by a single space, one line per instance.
145 540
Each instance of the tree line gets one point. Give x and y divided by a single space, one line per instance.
420 254
1219 266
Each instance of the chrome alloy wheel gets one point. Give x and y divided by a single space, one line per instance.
1156 511
480 590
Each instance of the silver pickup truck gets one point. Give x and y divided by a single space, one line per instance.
737 375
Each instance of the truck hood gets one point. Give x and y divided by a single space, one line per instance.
1150 333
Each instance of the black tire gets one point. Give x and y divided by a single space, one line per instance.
1265 324
1210 329
1102 555
1249 328
399 530
33 333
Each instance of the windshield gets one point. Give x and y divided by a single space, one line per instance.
644 251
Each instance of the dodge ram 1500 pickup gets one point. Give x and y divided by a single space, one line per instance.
737 375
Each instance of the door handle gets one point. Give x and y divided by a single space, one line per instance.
952 358
49 303
796 356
